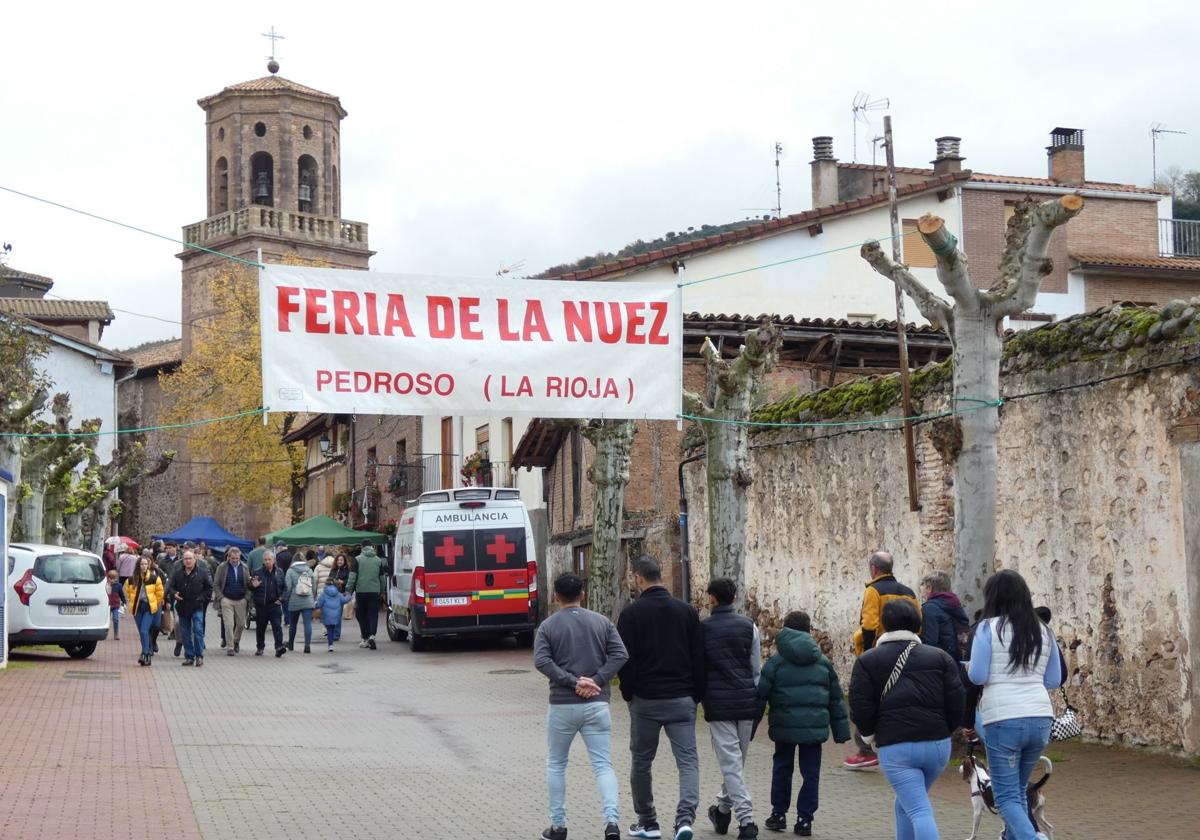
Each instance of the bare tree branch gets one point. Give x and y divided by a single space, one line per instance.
935 310
1025 255
952 269
693 404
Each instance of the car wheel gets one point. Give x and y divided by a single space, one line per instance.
525 639
416 642
393 630
80 650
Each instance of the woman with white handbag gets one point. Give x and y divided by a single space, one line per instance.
1016 657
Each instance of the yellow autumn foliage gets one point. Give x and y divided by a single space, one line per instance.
246 461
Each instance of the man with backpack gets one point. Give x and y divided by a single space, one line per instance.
944 622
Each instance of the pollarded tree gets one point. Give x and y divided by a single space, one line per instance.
732 385
607 591
23 394
975 324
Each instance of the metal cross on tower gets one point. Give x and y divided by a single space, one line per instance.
273 36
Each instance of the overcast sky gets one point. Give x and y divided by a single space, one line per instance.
487 134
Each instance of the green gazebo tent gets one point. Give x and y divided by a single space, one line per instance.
321 530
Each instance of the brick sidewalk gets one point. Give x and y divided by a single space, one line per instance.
446 744
85 751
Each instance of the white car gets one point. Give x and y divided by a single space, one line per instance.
56 596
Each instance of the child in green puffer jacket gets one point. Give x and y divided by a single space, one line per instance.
805 698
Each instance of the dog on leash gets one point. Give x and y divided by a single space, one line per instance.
974 773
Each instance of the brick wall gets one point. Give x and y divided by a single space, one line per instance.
383 433
1114 227
1105 290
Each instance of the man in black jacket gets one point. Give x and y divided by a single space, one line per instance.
191 590
732 663
662 682
267 588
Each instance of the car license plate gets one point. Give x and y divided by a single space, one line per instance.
72 610
461 601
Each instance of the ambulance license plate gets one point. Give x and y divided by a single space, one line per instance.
72 610
460 601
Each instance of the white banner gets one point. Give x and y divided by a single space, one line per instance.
336 340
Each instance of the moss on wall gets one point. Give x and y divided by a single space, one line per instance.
1111 332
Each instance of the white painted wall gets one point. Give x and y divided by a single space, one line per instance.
92 387
820 285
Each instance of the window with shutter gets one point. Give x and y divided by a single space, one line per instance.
916 253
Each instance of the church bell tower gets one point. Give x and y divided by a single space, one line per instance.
272 172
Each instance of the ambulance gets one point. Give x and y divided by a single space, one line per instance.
463 565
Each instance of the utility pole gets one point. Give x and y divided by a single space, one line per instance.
914 492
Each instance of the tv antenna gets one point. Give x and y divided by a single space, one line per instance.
1155 130
778 184
506 268
862 105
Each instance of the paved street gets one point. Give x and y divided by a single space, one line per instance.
391 744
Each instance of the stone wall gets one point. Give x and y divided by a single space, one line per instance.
1091 512
152 506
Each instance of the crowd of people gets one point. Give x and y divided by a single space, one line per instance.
922 672
167 589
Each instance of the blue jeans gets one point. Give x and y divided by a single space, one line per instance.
594 722
911 769
782 765
1013 749
116 622
190 631
145 626
293 617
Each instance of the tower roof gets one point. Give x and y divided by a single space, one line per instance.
273 84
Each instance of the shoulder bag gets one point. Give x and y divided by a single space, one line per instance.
1066 726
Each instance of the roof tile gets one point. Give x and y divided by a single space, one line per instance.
53 309
1164 263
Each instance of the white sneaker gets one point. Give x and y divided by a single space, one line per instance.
363 644
331 648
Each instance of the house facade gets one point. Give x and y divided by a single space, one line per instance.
1123 246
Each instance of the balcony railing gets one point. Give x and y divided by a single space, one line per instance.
327 230
444 470
1178 238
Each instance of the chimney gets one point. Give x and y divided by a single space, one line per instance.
1065 154
948 159
824 173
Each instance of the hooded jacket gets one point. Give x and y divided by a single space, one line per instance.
941 616
330 603
323 570
367 577
802 689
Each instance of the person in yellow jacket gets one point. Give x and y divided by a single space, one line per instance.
881 589
144 594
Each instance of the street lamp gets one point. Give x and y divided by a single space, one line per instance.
323 443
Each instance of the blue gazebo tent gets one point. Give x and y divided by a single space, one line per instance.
207 530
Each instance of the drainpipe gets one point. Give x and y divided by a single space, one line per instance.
685 560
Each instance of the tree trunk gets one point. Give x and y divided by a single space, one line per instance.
33 511
725 456
732 387
977 349
10 460
607 588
